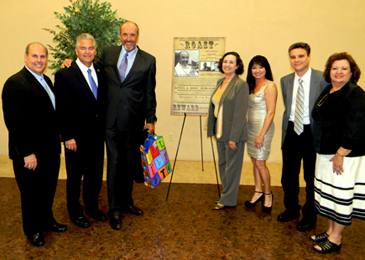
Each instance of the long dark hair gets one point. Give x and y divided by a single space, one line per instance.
262 61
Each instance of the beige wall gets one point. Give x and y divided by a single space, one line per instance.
250 27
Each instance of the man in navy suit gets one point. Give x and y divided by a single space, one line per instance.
299 145
34 144
130 108
79 94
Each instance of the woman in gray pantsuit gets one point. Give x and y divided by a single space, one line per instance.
227 123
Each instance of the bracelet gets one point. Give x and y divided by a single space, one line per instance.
260 137
340 155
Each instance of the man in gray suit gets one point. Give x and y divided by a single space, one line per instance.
300 91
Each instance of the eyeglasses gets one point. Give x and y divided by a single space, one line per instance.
320 103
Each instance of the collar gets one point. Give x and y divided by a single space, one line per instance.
38 77
83 67
130 54
306 77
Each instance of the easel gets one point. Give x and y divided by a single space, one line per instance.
201 154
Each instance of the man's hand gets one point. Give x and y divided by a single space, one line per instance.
66 63
71 145
30 162
150 127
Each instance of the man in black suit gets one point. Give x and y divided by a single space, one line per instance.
130 103
297 138
34 144
79 106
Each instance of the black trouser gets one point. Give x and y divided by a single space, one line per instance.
87 162
296 148
121 154
37 191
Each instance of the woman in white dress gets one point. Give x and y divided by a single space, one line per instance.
261 112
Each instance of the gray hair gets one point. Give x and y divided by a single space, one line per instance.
85 36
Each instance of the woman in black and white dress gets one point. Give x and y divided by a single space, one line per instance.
339 134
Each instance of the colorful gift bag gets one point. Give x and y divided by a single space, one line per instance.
155 161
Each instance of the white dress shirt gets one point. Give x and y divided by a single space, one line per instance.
84 69
306 87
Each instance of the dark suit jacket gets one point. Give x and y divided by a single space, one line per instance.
29 116
235 104
79 112
340 120
132 102
317 85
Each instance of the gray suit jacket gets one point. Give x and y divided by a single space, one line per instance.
235 105
316 87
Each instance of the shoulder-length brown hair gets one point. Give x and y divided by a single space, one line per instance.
355 70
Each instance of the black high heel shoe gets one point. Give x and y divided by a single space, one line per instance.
268 209
250 205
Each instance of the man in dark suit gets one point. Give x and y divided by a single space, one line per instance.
34 144
79 106
300 91
130 107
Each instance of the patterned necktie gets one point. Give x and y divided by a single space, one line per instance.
299 108
123 67
94 88
49 92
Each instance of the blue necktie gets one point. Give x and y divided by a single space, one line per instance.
49 92
123 67
94 88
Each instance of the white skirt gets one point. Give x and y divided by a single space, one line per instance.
340 197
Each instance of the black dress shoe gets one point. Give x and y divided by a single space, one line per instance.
36 239
80 221
288 215
133 210
306 224
56 227
115 222
97 215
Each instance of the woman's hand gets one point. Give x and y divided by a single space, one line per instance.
259 142
232 145
337 164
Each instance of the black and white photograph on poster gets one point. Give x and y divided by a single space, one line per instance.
186 63
209 66
195 73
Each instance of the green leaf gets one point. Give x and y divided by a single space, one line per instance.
83 16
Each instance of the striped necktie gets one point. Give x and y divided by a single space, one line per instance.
299 108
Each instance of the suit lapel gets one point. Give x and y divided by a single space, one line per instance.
289 92
135 66
115 61
228 89
38 86
313 89
80 77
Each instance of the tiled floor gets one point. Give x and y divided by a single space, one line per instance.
184 227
